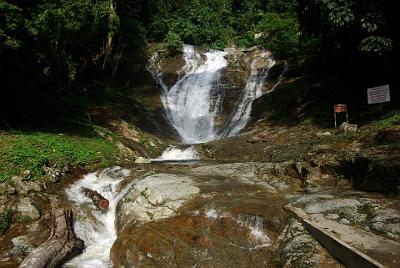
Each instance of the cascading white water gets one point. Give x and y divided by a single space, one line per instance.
252 91
96 228
281 76
254 223
173 153
194 101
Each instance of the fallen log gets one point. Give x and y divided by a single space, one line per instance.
61 245
98 200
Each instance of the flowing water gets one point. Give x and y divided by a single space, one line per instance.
96 228
194 101
173 153
191 105
252 91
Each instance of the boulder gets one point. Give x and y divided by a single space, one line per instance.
346 127
331 205
298 249
6 189
142 160
155 197
24 187
377 171
25 208
52 173
22 246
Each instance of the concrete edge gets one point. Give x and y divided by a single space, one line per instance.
348 255
342 251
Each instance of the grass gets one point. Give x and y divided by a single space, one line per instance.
21 151
390 120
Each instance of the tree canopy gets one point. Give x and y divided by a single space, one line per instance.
59 45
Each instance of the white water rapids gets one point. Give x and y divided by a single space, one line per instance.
97 229
173 153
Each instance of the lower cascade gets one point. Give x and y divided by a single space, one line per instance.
173 153
96 228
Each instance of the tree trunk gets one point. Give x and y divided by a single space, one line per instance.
98 200
61 245
108 46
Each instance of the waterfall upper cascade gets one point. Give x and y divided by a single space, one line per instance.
195 100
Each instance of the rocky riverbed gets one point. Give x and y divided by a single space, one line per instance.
244 204
223 213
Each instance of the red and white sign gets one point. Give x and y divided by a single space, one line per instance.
378 94
340 108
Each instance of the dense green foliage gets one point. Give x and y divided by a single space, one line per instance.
216 23
24 150
52 52
56 36
350 29
280 33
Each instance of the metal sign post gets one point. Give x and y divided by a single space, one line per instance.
340 108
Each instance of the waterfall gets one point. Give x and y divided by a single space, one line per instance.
193 102
252 91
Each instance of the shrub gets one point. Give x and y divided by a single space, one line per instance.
173 43
5 220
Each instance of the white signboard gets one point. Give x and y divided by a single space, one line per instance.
378 94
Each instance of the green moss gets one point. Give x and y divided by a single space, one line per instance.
20 151
367 209
151 146
25 219
5 220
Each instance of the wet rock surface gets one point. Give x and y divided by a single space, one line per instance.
196 218
155 197
190 240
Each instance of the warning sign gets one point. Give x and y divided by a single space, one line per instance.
378 94
340 108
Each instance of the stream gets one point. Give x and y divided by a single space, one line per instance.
214 214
